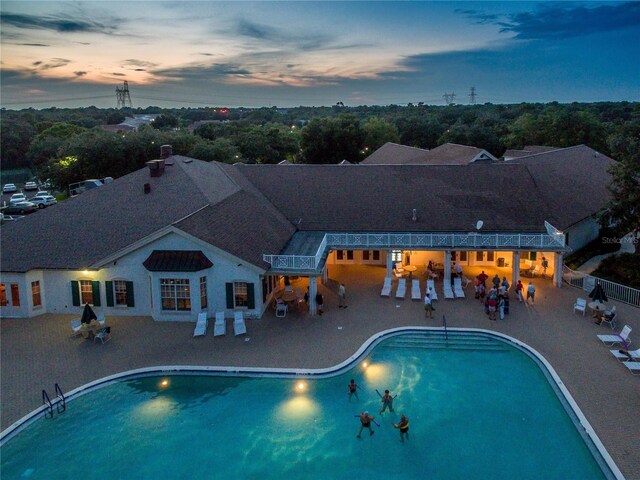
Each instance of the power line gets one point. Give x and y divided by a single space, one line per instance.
122 96
473 95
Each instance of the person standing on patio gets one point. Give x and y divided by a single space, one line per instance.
545 264
519 289
342 296
320 303
428 306
458 269
531 292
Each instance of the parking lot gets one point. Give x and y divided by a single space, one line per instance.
29 194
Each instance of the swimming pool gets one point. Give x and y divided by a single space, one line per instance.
478 408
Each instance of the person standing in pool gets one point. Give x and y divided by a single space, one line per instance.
387 401
403 426
352 389
365 422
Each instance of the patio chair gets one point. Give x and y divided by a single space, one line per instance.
281 310
633 367
448 292
580 306
402 288
239 327
201 325
103 335
610 320
386 287
415 290
399 268
537 270
457 287
622 338
220 327
465 281
76 325
634 354
101 320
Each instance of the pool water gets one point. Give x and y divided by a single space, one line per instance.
474 413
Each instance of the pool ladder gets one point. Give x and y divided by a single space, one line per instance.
61 402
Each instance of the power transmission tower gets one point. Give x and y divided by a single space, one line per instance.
473 95
449 98
122 96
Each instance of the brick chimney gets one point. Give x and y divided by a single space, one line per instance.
166 151
156 167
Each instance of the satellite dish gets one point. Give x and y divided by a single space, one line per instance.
479 224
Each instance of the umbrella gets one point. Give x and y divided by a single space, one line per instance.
87 314
597 294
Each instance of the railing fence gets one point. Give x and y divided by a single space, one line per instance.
614 291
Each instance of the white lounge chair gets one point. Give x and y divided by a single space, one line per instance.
457 287
281 310
622 338
201 325
402 288
633 367
415 290
634 354
448 292
101 320
239 327
386 287
220 327
580 306
76 325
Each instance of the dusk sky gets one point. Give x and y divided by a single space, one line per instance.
189 54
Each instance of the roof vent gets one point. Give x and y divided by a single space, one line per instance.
187 160
414 217
156 167
166 151
147 188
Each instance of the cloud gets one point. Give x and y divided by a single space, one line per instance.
132 62
196 70
559 21
34 44
118 74
54 63
35 64
139 69
58 23
265 33
80 73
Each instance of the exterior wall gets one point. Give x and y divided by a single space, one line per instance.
582 233
56 285
358 259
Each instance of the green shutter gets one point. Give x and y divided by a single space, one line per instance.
251 294
109 293
130 300
75 294
230 303
533 256
95 286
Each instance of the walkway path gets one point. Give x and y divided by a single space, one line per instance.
627 245
38 352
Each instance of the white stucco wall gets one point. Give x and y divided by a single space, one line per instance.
56 284
582 233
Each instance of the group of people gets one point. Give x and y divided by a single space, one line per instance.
387 403
496 299
342 299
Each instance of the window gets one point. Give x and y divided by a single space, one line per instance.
349 254
396 255
479 256
529 256
3 295
376 254
365 255
203 293
490 256
35 294
175 294
240 294
15 295
120 292
463 256
339 254
86 291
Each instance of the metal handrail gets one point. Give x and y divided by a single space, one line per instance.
444 325
61 406
614 291
48 413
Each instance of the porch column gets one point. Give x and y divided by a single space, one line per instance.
516 268
389 263
557 269
313 291
447 268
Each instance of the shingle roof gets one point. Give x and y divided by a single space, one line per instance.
446 154
573 179
528 150
177 261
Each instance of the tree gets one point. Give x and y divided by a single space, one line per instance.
377 132
624 205
331 140
219 150
165 122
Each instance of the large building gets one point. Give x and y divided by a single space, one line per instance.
185 236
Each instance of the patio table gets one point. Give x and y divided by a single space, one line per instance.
410 269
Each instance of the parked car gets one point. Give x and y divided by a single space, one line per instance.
9 187
17 197
44 201
30 186
20 208
41 193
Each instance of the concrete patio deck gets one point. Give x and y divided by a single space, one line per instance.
38 352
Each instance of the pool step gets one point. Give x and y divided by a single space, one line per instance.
437 340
